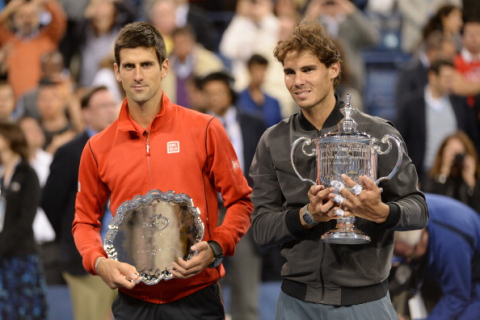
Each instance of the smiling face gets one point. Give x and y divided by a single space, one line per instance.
141 75
308 80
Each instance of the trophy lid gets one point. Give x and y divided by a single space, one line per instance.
347 126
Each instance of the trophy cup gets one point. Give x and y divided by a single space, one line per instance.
151 231
349 152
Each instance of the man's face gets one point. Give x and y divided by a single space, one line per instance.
443 82
141 74
7 101
218 96
183 45
257 74
471 37
307 79
101 111
26 18
50 102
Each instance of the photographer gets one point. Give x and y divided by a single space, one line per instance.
455 172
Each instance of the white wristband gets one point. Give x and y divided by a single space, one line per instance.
96 263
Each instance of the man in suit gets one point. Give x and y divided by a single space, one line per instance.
413 76
91 297
244 131
428 116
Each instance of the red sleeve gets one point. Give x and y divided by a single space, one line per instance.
230 182
92 194
56 28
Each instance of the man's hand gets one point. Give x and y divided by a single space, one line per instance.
367 204
117 274
320 206
186 269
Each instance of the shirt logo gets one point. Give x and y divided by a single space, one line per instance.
173 147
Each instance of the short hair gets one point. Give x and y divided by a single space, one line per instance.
310 36
15 137
222 77
185 30
257 59
87 96
140 34
434 41
438 64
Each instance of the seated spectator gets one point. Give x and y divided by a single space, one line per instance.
52 105
444 255
456 171
253 99
448 20
7 102
27 42
187 59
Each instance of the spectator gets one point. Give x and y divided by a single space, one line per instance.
7 102
456 172
188 59
22 282
253 99
56 126
27 42
244 130
91 297
413 76
161 13
415 15
349 26
427 117
448 20
446 252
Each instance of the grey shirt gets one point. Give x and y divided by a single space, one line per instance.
315 271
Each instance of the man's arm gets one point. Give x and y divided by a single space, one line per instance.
57 26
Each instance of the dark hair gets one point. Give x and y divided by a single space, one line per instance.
435 22
435 40
311 37
89 93
257 59
438 64
15 137
222 77
140 34
469 149
185 30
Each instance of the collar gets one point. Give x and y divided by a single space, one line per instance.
331 121
126 123
422 56
468 56
434 103
229 117
90 131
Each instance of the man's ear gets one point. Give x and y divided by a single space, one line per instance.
117 72
334 70
165 68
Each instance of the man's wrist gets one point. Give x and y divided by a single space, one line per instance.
97 261
308 217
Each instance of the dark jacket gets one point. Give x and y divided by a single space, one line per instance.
22 197
316 271
58 200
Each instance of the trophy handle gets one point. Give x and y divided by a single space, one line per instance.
310 154
386 139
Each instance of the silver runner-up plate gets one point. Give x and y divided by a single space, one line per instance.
152 231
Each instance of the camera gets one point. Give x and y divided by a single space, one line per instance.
459 159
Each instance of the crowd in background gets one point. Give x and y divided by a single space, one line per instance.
53 52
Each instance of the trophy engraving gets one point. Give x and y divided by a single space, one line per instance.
349 152
151 231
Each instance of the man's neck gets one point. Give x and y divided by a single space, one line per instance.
318 115
143 114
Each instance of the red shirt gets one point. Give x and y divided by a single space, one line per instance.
184 151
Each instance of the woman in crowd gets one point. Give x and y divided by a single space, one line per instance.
448 19
456 171
22 283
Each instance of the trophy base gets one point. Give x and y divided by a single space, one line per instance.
345 237
345 233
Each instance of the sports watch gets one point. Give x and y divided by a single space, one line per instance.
217 254
308 217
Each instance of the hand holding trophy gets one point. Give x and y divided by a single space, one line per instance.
343 155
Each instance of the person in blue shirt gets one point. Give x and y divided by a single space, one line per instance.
448 252
253 99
